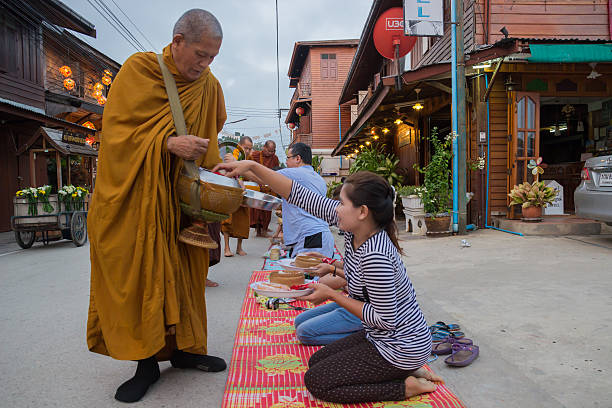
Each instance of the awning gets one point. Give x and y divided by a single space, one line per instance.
366 113
54 137
570 52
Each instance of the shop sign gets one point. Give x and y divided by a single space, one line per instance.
556 207
74 138
424 18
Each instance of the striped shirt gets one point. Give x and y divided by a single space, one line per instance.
376 275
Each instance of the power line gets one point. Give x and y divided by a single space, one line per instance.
280 130
108 19
134 24
125 29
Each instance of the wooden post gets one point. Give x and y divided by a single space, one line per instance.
68 168
32 169
58 166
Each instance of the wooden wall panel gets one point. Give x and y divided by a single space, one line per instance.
579 19
498 142
325 95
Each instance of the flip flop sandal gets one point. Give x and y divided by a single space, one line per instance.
432 358
440 335
446 345
457 334
444 326
462 355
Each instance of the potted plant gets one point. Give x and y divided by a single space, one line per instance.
437 192
532 197
374 160
411 197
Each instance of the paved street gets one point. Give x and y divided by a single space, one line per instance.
539 308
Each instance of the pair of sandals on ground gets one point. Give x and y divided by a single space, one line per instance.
447 339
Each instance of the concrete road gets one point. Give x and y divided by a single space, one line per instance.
44 359
539 308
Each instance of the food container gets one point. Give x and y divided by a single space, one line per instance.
275 253
260 201
251 185
218 193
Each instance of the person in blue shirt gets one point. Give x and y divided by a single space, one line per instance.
302 230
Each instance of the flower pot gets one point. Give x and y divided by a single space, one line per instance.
532 214
438 226
412 202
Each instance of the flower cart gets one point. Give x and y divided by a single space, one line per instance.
37 213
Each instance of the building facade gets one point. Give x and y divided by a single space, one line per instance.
317 71
50 116
538 84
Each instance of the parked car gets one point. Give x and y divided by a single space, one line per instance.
593 197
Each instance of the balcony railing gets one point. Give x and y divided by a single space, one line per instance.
302 91
302 138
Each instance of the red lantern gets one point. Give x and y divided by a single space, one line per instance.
291 126
65 71
101 100
106 80
299 111
89 125
98 86
108 73
96 94
69 84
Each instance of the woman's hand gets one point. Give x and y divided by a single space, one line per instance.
322 269
321 293
235 168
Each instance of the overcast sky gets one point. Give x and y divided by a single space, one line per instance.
246 65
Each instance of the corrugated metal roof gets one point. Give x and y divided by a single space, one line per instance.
67 148
37 111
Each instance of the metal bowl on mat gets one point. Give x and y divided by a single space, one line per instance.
260 201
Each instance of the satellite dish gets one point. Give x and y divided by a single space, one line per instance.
389 34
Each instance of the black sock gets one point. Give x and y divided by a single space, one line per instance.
182 359
136 387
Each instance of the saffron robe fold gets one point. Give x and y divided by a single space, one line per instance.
142 279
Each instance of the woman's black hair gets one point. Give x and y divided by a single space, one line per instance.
373 191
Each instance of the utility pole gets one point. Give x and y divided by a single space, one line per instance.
459 119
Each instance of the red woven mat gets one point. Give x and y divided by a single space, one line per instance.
268 364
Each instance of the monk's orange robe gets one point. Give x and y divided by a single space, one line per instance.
142 279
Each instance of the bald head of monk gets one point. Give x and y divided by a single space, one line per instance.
196 40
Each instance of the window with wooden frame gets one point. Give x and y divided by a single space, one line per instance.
329 67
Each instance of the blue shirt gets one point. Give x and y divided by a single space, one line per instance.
297 223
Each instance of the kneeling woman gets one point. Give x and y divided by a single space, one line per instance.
384 361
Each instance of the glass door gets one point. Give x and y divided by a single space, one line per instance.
524 124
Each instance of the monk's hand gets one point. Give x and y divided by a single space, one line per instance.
235 168
188 147
228 158
321 293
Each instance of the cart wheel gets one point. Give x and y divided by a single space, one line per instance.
25 239
78 228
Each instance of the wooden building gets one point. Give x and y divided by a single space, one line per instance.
42 137
542 86
317 71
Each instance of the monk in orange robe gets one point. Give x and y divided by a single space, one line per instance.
260 219
147 288
238 225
